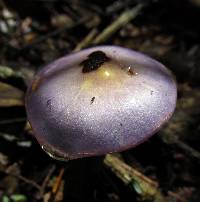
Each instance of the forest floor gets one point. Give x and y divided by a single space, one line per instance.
36 32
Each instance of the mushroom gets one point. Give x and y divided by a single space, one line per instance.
100 100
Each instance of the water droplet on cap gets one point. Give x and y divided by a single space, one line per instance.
54 154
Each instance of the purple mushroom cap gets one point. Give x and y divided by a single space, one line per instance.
99 100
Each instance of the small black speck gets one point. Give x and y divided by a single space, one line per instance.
151 92
92 100
49 103
131 71
94 61
121 124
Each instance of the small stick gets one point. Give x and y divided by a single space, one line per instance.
169 138
122 20
145 187
46 180
58 181
87 40
11 121
28 181
24 179
188 149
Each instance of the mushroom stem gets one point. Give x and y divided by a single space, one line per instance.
82 176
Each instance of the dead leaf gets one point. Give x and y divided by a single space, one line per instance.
10 96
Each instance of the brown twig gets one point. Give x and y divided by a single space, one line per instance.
144 186
24 179
121 21
184 117
57 183
11 121
87 40
46 180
